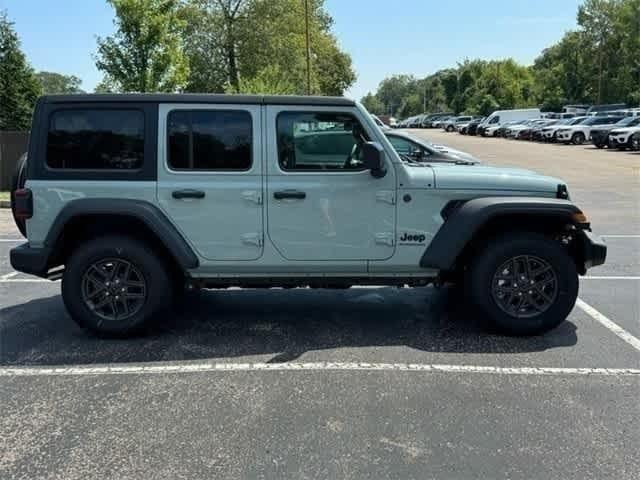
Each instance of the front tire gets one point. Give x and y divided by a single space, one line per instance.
578 138
115 285
524 283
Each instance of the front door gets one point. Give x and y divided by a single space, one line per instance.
322 204
210 178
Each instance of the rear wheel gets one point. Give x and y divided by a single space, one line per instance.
525 283
450 128
578 138
115 285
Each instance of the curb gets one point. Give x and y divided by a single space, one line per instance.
5 204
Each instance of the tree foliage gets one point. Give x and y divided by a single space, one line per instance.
146 52
599 62
53 83
244 45
19 87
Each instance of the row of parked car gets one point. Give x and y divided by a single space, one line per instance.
615 129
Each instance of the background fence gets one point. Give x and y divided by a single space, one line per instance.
12 146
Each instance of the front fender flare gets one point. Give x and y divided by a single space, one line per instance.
466 220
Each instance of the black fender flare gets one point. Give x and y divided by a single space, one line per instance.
466 218
149 214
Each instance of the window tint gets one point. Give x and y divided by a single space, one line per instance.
209 140
96 139
319 141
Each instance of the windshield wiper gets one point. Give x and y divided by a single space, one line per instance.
411 160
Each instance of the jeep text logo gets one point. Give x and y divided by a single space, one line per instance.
408 238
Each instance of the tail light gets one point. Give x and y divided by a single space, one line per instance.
22 204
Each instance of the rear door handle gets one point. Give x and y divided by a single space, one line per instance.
282 194
187 193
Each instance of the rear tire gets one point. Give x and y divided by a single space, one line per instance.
528 308
115 285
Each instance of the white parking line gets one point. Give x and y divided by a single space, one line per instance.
595 277
608 323
128 369
7 276
620 236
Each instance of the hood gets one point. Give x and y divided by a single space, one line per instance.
484 177
456 154
626 129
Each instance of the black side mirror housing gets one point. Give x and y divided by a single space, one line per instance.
373 159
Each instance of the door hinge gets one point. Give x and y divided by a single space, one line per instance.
252 239
252 196
388 196
385 238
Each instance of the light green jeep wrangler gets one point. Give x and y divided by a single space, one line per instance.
132 199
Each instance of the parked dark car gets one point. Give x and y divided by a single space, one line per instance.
600 135
635 141
472 128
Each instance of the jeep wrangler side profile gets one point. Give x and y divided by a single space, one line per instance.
131 199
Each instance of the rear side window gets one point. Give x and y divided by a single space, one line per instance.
95 139
209 140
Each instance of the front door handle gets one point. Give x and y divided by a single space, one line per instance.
297 194
187 193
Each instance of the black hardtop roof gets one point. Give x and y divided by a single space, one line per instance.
200 98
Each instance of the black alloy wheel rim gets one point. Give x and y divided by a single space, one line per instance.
114 289
525 286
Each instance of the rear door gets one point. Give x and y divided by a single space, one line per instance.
210 177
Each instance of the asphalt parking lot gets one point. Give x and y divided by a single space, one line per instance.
363 383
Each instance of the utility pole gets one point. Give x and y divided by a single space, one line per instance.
424 102
306 21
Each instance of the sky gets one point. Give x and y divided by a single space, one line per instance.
383 37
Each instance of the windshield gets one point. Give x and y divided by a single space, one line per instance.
628 122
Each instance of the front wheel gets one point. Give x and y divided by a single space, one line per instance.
525 283
578 138
449 128
114 285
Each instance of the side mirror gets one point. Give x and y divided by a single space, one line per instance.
373 159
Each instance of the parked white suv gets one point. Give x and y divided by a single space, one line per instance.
549 133
453 123
581 132
621 137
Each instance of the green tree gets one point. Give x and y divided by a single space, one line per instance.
373 104
146 52
19 87
232 42
53 83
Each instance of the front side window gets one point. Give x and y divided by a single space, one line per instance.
209 140
96 139
319 141
495 119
